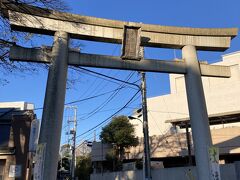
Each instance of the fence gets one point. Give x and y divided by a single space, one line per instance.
228 172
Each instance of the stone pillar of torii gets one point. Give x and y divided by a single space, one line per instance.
64 26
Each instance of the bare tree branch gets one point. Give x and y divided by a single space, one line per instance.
9 38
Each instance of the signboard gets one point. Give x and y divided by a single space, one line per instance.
214 163
15 171
39 159
34 135
131 43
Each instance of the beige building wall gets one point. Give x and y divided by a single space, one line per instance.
222 95
172 145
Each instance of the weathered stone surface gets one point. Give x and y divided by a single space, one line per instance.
87 31
114 62
232 32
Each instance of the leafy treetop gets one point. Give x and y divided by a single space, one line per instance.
119 132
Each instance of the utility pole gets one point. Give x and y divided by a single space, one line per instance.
74 143
73 132
147 156
94 136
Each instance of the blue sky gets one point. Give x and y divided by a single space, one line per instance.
191 13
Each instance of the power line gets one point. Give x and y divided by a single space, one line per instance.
101 84
107 121
106 110
110 98
109 116
88 98
125 82
94 75
93 112
132 100
91 133
106 76
91 97
129 107
168 112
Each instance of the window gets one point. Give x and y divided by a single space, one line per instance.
2 164
5 134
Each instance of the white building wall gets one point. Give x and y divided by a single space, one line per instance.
228 172
20 104
222 95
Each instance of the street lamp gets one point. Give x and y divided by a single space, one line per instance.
146 155
132 118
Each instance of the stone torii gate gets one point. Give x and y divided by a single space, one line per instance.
65 26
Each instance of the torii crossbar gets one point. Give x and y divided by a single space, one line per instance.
37 20
43 55
64 26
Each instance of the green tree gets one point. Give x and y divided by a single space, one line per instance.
84 167
120 132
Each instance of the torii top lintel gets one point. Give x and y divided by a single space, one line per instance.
43 21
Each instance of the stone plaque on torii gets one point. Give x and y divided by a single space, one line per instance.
64 26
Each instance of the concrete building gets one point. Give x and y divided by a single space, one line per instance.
168 118
172 149
98 156
15 127
221 94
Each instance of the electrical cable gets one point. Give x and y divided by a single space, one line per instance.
108 122
109 77
104 123
101 84
109 118
88 98
95 130
110 98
